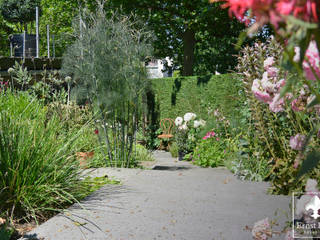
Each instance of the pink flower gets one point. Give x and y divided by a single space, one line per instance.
313 62
209 135
272 71
266 84
261 95
297 141
268 62
296 163
296 57
218 139
297 104
280 83
277 104
238 8
285 7
273 10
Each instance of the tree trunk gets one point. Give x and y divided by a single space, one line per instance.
189 42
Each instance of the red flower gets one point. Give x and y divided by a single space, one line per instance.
96 131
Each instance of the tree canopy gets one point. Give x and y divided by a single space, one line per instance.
19 11
199 36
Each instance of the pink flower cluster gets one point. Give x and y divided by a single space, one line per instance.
267 89
209 135
297 141
273 10
312 62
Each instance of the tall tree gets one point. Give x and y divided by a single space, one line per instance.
189 31
19 11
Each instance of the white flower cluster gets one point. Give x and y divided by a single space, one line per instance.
182 123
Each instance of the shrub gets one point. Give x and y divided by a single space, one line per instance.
273 120
107 59
210 152
176 96
38 170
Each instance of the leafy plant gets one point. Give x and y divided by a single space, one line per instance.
174 149
19 11
209 152
140 153
271 127
107 61
38 170
49 88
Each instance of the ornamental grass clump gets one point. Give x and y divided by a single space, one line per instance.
107 62
38 170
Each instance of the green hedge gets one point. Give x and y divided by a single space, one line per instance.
176 96
31 63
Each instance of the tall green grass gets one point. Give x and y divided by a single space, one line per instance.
38 170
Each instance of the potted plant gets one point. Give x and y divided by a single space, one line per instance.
186 133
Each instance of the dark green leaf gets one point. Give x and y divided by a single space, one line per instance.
310 163
313 102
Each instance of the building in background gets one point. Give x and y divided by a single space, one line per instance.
159 68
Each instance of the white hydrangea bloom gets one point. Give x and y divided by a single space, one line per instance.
178 121
189 116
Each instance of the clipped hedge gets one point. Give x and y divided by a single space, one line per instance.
176 96
31 63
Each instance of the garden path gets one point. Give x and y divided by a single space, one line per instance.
176 200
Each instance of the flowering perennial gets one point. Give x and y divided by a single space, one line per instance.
297 142
209 135
268 88
273 11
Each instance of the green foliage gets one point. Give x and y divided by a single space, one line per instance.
94 183
268 133
38 170
107 61
181 139
243 160
5 232
49 88
174 149
209 153
19 11
176 96
195 34
140 154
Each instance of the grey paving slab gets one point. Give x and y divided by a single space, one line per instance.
176 201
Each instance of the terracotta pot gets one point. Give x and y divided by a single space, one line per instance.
83 158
